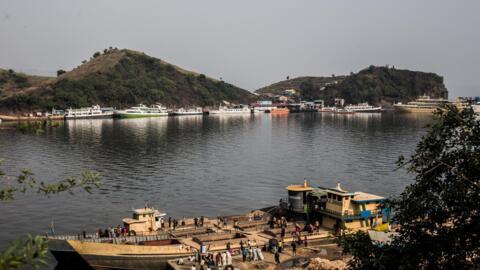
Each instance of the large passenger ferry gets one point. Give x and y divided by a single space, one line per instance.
143 111
423 104
94 112
364 107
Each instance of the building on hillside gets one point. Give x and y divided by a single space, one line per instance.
319 103
339 102
289 92
281 98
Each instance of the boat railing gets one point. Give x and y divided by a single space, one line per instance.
115 240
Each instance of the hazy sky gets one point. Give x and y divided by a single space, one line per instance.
251 43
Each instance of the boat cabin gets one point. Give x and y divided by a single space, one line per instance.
144 221
338 208
297 197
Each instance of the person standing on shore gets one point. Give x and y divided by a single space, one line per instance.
294 248
277 257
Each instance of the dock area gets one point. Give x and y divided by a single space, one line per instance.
276 237
253 236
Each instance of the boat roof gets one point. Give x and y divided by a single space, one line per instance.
143 211
338 190
299 188
366 197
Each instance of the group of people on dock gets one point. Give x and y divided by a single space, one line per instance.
172 223
250 252
209 260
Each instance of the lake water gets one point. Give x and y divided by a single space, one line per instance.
200 165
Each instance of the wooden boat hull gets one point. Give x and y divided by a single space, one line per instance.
66 256
122 256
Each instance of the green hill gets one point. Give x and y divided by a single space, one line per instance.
119 78
374 85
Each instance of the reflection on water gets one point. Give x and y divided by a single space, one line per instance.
201 165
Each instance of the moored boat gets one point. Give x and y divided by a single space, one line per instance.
327 109
94 112
232 110
423 104
280 111
364 108
143 111
343 111
182 111
130 255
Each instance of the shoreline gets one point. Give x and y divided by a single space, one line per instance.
17 118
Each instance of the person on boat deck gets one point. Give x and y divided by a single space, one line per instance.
195 221
244 254
169 222
183 221
202 219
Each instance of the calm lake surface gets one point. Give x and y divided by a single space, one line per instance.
200 165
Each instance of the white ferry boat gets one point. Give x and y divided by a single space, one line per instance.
182 111
364 107
143 111
423 104
235 110
94 112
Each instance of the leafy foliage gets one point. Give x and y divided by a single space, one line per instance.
11 185
439 214
31 251
24 251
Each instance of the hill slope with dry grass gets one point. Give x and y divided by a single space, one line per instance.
117 78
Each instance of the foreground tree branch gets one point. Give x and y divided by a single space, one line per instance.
31 250
439 214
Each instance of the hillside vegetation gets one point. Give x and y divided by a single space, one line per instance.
121 78
11 81
374 85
